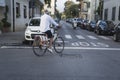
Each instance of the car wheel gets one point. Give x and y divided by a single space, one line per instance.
115 37
89 29
74 27
98 32
94 30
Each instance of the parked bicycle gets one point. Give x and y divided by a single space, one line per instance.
40 50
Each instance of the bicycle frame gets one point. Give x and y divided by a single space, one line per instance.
58 46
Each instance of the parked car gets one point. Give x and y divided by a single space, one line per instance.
116 35
84 24
79 22
32 28
104 27
91 25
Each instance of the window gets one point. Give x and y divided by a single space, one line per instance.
106 14
113 13
17 10
25 12
119 14
34 22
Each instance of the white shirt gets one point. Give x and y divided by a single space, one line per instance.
45 23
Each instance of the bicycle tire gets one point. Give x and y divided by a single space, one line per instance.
37 49
59 45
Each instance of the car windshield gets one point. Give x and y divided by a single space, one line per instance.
79 19
103 23
93 22
34 22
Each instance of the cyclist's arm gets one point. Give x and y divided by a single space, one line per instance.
53 22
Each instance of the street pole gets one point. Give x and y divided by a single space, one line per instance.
95 10
13 16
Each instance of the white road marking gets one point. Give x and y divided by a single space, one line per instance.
88 44
75 44
80 37
90 48
92 37
66 48
68 36
15 47
103 37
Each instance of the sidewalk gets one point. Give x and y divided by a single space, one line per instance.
11 37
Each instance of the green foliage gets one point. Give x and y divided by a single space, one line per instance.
1 25
48 2
100 8
72 11
68 4
4 20
5 23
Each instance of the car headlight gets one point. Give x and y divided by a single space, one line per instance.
28 30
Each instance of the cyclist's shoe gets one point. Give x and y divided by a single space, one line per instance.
50 50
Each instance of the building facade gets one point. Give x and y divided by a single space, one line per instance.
2 8
20 11
52 6
111 10
92 15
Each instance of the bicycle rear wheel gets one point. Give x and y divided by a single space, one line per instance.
59 45
37 49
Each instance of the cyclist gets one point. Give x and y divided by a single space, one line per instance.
46 21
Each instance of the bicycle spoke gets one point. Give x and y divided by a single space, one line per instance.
59 45
37 49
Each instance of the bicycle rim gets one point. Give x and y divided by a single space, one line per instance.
37 49
59 45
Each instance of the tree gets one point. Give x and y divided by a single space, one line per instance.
48 2
71 9
68 4
100 9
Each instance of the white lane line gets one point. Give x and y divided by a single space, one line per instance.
103 37
90 48
80 37
92 37
67 48
68 36
15 47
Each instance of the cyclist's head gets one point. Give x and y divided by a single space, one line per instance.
46 11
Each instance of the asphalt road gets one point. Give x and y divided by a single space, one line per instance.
87 57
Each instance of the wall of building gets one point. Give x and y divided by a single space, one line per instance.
2 7
1 13
19 21
52 7
109 4
91 11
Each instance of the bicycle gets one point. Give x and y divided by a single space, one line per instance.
40 50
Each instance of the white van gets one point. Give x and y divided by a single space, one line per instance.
32 28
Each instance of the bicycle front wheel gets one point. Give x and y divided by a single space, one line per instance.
59 45
37 49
